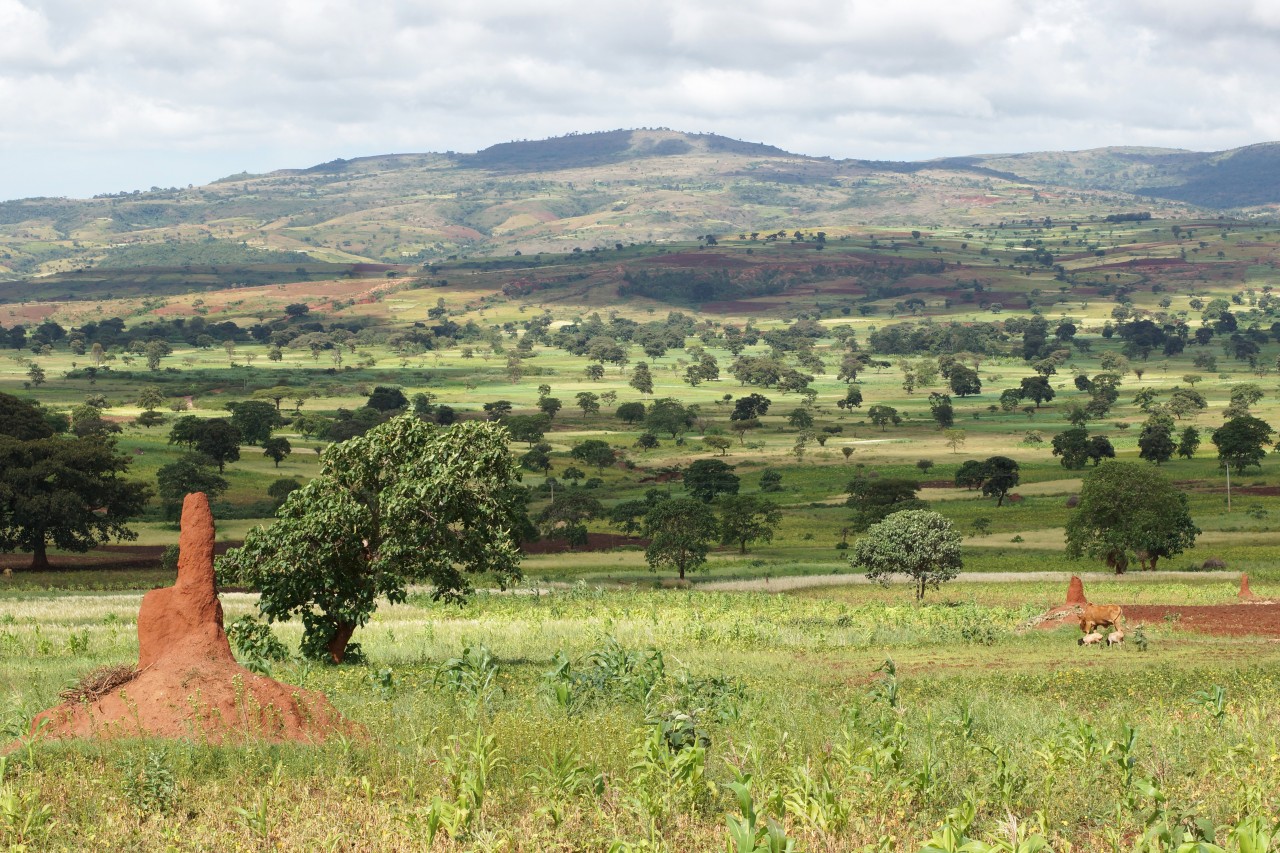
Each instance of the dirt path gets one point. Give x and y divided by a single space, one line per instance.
805 581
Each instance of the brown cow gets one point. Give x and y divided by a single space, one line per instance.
1101 616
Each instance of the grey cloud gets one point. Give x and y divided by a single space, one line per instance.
270 84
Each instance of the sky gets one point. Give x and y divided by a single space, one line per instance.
100 97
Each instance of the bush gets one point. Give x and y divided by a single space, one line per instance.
1214 563
254 641
169 559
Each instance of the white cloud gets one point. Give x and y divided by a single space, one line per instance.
157 92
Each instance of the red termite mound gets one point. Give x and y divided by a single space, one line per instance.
188 683
1075 591
1245 594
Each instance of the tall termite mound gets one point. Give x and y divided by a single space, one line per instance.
1075 591
188 684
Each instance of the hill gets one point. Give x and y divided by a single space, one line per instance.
596 190
1224 180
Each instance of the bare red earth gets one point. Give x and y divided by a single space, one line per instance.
1251 618
189 684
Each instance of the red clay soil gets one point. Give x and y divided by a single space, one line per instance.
595 542
189 684
1252 617
1260 619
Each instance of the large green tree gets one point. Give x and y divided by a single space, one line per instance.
22 420
669 416
873 500
255 419
679 532
918 543
999 475
1155 441
190 472
1129 512
565 516
707 478
1242 441
747 518
66 492
405 502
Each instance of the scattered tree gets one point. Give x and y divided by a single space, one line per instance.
680 531
415 503
918 543
707 478
747 518
1126 512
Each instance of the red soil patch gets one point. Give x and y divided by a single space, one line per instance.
1258 619
1224 620
595 542
188 683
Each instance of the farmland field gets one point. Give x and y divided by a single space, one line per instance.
600 705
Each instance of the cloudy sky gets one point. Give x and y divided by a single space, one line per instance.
126 94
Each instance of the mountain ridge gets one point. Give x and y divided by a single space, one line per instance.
600 189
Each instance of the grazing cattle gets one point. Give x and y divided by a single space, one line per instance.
1100 616
1090 639
1116 637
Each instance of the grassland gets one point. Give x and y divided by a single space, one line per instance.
1022 728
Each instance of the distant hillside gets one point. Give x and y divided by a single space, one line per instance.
598 190
1239 178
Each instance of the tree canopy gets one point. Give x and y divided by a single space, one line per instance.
406 501
707 478
680 531
873 500
64 491
918 543
1241 442
747 518
1129 511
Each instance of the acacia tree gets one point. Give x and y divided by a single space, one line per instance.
1126 512
882 416
918 543
999 475
406 501
679 530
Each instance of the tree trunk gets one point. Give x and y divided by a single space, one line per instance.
337 644
40 555
681 571
744 547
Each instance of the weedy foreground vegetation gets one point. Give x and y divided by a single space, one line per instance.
586 719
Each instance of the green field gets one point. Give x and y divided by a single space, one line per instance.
783 690
1020 732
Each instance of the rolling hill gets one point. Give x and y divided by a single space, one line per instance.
596 190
